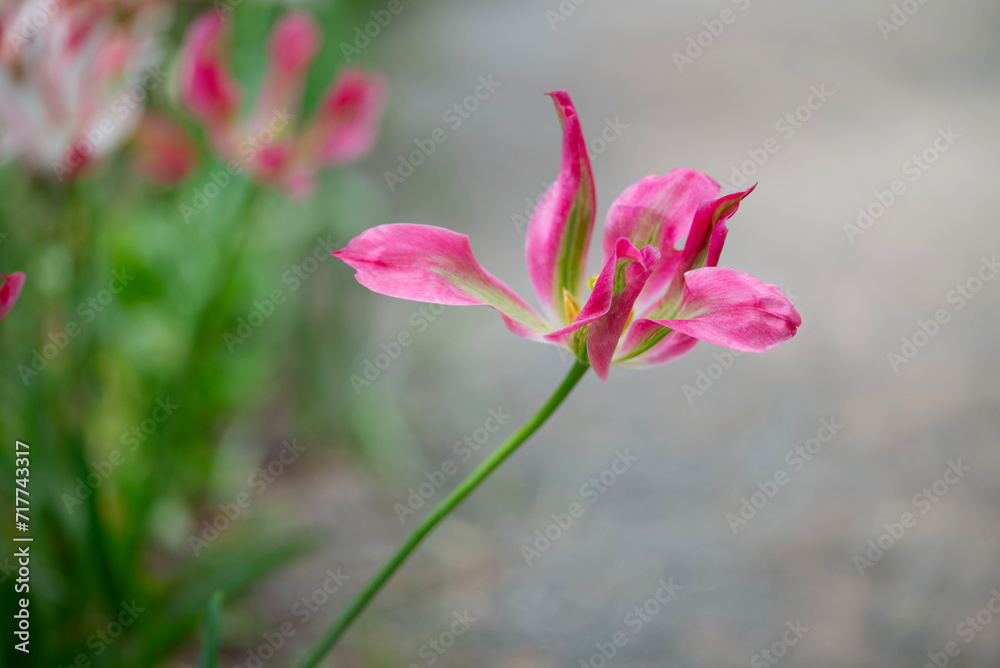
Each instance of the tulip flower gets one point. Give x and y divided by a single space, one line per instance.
679 292
652 300
165 151
268 142
10 289
73 77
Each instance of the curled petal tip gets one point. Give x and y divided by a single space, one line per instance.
559 232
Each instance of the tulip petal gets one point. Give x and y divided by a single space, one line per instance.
431 264
733 309
560 229
346 124
10 290
702 248
649 344
658 210
708 231
292 46
206 84
609 307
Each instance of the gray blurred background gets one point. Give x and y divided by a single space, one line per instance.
796 560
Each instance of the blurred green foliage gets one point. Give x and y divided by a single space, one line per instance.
142 411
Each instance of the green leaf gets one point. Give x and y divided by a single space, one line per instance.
210 644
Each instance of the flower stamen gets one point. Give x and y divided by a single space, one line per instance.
570 306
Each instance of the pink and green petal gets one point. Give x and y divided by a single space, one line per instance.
650 344
561 226
702 248
733 309
658 210
609 307
431 264
708 231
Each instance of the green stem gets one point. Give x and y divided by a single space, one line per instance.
463 490
210 644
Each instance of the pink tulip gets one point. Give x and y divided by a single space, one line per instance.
269 143
166 152
10 289
681 295
73 77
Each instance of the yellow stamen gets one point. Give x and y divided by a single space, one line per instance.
592 281
629 321
570 306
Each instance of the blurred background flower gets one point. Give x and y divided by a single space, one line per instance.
273 144
74 76
10 288
164 149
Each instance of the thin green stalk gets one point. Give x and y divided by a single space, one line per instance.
463 490
210 644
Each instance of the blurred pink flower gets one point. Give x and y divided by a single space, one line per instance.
10 289
681 294
166 153
268 142
74 75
